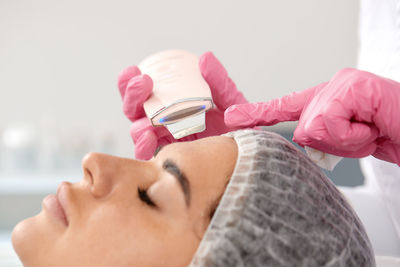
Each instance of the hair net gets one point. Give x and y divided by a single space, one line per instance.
279 209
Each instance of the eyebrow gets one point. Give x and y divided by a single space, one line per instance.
158 149
173 169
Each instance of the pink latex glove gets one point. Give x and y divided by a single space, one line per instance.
136 88
355 114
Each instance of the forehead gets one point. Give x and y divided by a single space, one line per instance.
208 163
217 147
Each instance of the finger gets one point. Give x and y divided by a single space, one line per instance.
139 126
146 145
223 89
360 153
314 134
338 121
287 108
144 138
142 130
138 90
349 152
124 76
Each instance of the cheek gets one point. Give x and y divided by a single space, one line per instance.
117 234
122 235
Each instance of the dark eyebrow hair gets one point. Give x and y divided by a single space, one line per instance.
173 169
158 149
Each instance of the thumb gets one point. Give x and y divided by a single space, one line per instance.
145 142
146 145
138 90
124 76
287 108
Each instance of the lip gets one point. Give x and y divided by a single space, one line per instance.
56 204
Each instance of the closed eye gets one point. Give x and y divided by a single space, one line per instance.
145 197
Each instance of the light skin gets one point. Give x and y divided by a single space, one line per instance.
126 212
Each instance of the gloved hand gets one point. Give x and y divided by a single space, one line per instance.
136 88
355 114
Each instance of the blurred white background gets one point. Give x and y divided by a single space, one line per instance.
59 62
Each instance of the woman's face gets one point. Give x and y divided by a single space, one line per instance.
126 212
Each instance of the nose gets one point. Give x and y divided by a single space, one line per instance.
99 171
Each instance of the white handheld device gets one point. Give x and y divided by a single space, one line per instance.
180 94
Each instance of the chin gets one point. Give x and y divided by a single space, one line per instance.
32 236
22 238
35 237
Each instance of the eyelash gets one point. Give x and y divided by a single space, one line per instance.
145 197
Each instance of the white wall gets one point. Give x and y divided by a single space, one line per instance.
60 59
